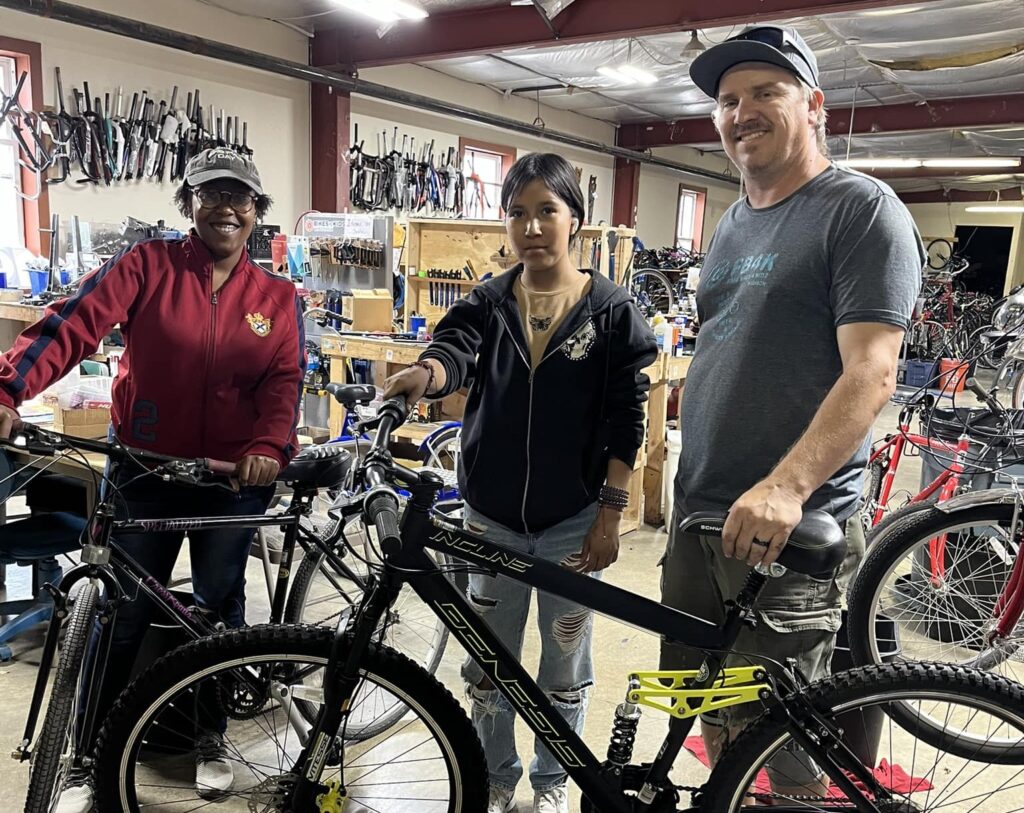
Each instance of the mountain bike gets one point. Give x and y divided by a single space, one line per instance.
432 760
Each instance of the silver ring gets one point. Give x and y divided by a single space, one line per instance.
760 542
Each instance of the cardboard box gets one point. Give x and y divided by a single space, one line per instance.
369 310
82 423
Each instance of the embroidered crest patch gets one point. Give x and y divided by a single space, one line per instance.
259 323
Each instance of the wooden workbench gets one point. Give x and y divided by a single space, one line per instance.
667 368
646 487
14 318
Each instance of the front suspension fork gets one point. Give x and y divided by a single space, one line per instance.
341 680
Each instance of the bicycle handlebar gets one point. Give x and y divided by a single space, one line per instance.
380 507
46 443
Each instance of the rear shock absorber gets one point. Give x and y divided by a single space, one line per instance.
624 726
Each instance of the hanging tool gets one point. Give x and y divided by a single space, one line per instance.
591 197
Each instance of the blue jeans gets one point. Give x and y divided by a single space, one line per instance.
218 559
566 668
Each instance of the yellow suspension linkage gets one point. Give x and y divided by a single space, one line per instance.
734 687
333 801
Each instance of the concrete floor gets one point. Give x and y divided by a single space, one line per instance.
619 649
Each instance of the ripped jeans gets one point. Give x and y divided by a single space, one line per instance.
566 668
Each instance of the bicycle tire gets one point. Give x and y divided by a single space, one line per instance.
889 552
49 755
298 596
163 683
433 455
852 691
661 305
934 250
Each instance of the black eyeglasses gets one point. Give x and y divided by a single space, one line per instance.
776 38
213 198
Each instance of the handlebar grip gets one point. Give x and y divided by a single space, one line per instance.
221 466
382 510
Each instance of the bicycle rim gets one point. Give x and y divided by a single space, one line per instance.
410 768
765 769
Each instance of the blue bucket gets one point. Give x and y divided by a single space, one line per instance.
38 280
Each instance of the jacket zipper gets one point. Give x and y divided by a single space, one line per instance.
529 409
210 351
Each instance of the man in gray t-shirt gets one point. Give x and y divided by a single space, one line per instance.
804 298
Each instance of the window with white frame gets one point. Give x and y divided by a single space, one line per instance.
12 227
483 170
690 215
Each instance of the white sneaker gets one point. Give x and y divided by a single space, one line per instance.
501 800
77 795
213 769
555 800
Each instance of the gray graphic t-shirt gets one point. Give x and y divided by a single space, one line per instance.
776 284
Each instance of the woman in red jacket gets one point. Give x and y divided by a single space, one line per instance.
213 365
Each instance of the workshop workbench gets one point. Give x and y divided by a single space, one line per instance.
647 487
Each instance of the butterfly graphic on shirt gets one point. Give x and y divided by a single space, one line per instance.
540 322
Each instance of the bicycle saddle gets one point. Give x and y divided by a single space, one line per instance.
348 395
816 547
325 466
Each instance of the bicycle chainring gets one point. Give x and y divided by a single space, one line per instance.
631 781
242 698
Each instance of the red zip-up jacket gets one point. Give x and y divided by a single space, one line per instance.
203 374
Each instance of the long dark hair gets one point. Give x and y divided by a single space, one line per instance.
557 175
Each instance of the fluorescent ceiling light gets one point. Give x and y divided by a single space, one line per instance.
880 163
967 163
616 74
385 11
1016 209
407 11
638 74
888 12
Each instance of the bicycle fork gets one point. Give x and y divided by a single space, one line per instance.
341 680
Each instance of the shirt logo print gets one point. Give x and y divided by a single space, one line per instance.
540 322
578 346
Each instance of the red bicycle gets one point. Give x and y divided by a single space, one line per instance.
944 581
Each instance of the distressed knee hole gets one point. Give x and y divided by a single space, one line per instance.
570 628
569 697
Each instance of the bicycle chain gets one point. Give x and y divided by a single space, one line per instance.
695 791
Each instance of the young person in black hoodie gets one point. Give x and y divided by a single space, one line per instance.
553 357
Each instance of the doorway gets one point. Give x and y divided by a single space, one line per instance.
988 249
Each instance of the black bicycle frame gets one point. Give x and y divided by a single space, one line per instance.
99 536
424 529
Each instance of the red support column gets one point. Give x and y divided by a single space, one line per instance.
330 113
625 192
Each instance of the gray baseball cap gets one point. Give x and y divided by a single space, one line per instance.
774 44
221 162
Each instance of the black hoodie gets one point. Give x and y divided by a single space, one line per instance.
536 443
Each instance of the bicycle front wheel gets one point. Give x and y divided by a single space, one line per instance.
54 751
245 684
765 770
928 590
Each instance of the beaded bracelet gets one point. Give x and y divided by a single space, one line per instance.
615 498
426 365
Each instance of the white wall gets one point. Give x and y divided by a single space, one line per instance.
659 196
936 220
276 108
373 116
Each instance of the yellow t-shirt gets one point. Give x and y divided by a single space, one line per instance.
543 311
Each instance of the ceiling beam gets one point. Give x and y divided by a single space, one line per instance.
939 114
958 196
486 30
934 172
